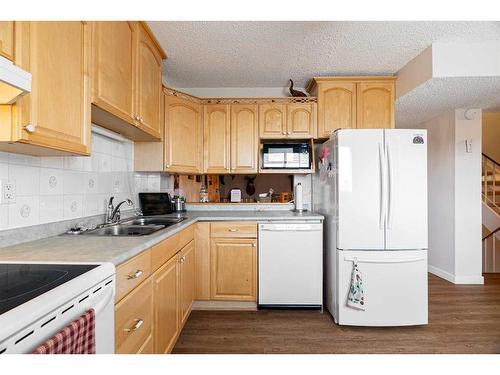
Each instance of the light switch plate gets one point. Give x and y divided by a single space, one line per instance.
7 191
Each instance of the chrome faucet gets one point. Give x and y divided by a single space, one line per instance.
113 213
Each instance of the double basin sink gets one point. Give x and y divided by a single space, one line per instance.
138 226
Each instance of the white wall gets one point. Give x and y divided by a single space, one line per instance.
454 202
50 189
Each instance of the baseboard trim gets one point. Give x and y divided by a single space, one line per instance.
455 279
225 305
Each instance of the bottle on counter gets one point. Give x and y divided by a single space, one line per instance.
203 194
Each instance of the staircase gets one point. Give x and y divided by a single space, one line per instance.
491 183
491 198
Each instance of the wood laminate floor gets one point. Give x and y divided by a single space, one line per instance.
462 319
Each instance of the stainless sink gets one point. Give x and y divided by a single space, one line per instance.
150 220
124 230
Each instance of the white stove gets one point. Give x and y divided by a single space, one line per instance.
37 300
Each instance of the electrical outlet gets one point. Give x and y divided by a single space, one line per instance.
7 191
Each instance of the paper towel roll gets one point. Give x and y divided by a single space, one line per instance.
299 202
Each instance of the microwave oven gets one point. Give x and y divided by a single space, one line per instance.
286 156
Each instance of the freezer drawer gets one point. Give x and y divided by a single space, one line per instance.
395 285
290 264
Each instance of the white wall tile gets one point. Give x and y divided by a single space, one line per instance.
51 208
24 212
4 216
24 159
51 181
73 182
92 204
91 183
4 157
52 162
26 179
74 163
73 206
4 171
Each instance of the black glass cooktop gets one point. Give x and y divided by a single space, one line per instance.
20 283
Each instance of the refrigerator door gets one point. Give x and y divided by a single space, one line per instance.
361 204
395 288
406 154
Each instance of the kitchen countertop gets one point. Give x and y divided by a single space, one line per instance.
78 248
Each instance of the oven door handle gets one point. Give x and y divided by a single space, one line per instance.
103 303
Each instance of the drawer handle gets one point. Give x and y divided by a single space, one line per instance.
136 275
137 325
233 230
182 259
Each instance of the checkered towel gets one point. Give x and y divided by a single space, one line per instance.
77 338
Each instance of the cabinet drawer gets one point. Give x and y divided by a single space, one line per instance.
132 273
165 250
233 229
133 319
186 236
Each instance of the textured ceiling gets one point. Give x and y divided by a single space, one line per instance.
266 54
442 94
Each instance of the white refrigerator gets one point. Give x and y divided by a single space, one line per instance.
372 189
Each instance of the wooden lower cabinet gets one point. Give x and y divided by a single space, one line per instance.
186 277
134 319
234 269
166 306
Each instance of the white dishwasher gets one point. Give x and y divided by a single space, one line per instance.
291 265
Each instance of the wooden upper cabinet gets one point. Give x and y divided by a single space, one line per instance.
127 80
217 129
55 116
234 269
301 120
114 67
149 84
183 136
166 306
354 102
336 107
244 138
7 39
272 121
375 105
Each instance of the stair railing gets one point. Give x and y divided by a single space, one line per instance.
491 183
490 243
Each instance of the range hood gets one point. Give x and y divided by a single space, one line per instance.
14 81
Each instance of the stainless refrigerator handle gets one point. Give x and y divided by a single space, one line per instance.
382 186
391 187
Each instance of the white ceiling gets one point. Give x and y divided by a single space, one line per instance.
267 54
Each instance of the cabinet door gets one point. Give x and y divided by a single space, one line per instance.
148 84
58 106
244 138
134 320
375 102
300 120
216 140
234 269
336 107
166 306
186 282
272 121
7 39
114 67
183 136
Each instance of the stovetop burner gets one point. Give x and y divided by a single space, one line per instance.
20 283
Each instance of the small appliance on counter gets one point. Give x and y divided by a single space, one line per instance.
235 196
179 203
299 201
156 204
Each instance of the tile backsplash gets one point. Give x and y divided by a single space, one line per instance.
50 189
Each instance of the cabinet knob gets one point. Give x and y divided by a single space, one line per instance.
283 133
30 128
136 275
168 165
136 326
141 119
289 133
233 230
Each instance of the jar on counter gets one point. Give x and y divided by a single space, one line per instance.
203 194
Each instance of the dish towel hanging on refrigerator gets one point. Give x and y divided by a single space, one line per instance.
76 338
356 298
